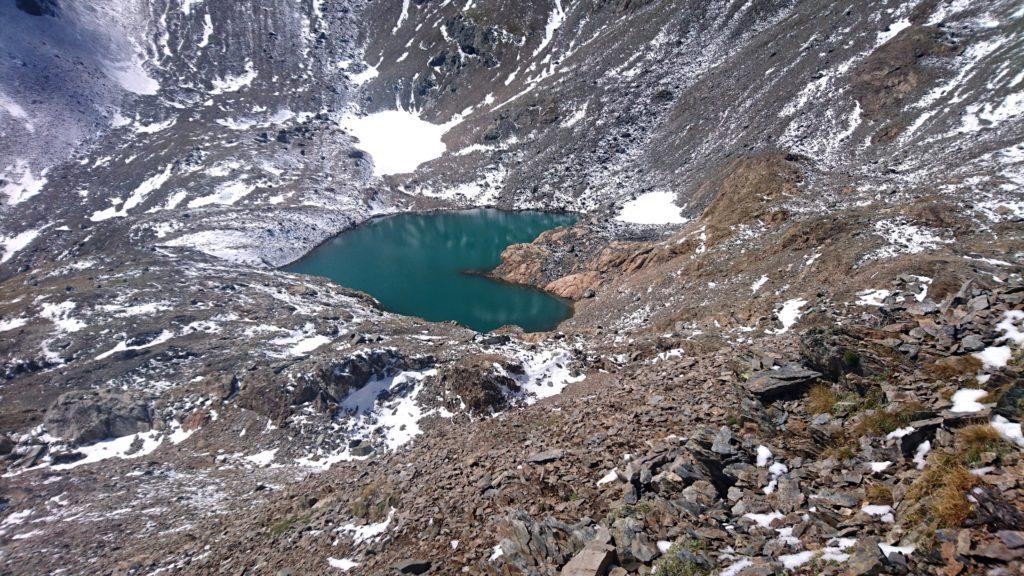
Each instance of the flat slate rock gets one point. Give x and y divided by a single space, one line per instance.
413 566
786 381
545 456
593 560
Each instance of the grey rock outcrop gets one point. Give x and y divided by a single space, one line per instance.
787 381
83 417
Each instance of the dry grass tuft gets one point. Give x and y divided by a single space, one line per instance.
884 420
821 400
944 487
974 440
955 367
879 422
879 494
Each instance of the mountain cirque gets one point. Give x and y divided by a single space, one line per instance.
806 360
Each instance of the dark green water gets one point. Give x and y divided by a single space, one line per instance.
415 264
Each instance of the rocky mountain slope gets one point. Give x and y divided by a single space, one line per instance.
799 303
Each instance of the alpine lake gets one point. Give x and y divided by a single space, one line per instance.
434 265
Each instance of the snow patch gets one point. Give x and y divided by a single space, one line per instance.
736 567
872 297
1012 327
123 345
921 454
577 115
757 285
545 374
132 76
764 520
894 29
877 467
398 140
905 238
137 197
904 550
790 313
60 315
21 184
16 111
966 400
122 447
234 83
652 208
555 19
899 433
1011 431
11 324
12 244
994 357
343 564
611 476
833 552
136 310
402 16
263 458
207 31
367 531
226 194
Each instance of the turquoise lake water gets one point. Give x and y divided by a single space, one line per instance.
416 264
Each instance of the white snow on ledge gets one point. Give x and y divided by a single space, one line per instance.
652 208
999 354
343 564
132 76
905 238
121 447
367 532
966 400
10 245
545 373
234 83
21 184
398 140
872 297
396 417
226 194
790 313
1011 431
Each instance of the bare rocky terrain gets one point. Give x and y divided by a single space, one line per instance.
804 358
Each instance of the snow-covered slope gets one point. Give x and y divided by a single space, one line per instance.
585 104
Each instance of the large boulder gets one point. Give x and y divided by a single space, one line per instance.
86 416
342 377
574 286
593 560
538 547
822 350
481 383
786 382
633 547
